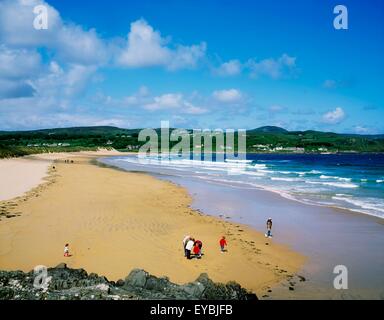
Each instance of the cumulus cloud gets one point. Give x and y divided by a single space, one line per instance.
192 109
361 130
227 96
146 47
229 68
68 42
273 68
79 46
176 102
15 89
60 83
334 116
18 63
16 23
165 101
17 66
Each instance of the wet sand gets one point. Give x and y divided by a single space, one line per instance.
327 236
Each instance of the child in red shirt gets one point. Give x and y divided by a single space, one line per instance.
197 249
223 243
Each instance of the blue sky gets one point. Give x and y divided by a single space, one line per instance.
199 64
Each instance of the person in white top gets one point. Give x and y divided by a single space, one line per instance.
189 247
185 240
66 250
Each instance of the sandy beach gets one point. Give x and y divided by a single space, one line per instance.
115 221
20 175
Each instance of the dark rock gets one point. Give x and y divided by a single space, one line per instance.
75 284
120 283
137 278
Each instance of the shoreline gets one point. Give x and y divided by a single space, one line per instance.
321 233
246 245
286 196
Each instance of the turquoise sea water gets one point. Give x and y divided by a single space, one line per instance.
350 181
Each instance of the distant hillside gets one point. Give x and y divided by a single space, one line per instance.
97 130
268 129
263 139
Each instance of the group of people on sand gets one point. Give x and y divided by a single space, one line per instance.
193 246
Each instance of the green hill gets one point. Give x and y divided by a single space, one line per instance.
268 129
263 139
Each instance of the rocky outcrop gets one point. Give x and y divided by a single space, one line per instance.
63 283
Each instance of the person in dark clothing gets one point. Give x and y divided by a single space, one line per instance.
269 228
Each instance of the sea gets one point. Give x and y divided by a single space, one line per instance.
348 181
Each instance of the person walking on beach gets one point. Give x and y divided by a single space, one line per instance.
269 228
188 248
185 241
66 250
197 248
223 243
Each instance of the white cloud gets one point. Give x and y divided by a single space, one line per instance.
230 68
14 89
192 109
334 116
361 130
61 83
69 42
79 46
227 96
273 68
16 23
146 47
17 66
187 57
176 102
165 101
18 63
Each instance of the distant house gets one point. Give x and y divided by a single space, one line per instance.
263 147
289 149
